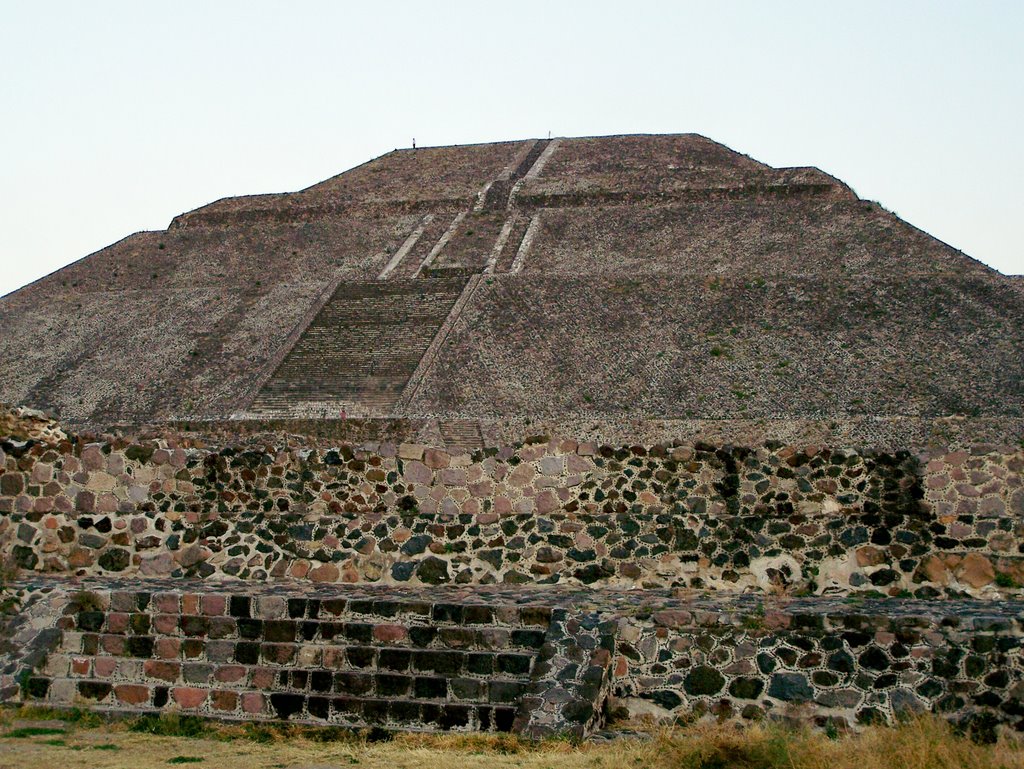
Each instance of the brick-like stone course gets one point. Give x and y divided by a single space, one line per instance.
351 662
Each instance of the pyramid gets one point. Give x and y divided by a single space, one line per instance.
513 437
625 280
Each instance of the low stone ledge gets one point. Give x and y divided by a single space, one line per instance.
847 661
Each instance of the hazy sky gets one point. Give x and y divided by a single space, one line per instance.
117 116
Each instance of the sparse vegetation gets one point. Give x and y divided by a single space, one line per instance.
919 743
31 731
85 600
1006 580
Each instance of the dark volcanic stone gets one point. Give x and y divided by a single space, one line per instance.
287 705
665 698
403 570
841 662
746 688
703 680
90 621
593 572
433 571
37 687
884 577
791 687
93 690
416 544
578 712
874 659
115 559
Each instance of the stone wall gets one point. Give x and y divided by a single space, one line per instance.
352 660
774 518
827 660
537 661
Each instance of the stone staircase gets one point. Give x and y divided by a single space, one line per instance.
411 261
499 194
360 350
503 261
341 658
461 433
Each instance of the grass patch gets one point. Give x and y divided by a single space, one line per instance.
76 716
32 731
172 725
151 743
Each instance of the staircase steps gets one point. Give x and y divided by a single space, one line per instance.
461 433
360 350
508 254
431 234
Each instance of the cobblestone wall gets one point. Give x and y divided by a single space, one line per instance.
824 659
773 518
533 660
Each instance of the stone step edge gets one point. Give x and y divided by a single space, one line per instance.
229 718
363 620
516 686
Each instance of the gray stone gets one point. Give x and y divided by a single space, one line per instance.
840 698
791 687
416 544
904 702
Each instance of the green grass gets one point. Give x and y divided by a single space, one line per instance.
32 731
171 725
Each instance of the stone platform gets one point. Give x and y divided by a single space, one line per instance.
536 661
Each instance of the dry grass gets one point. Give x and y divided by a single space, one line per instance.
927 743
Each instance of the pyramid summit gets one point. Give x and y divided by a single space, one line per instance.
627 287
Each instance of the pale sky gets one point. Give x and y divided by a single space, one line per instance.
117 116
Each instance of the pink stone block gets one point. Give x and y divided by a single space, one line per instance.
189 696
213 605
92 457
132 694
113 644
263 678
165 671
166 624
41 472
168 648
229 674
252 703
